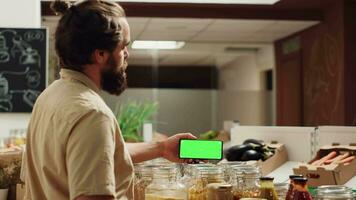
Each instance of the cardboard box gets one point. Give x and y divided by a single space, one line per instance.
331 174
279 158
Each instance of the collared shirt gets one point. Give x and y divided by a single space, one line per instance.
74 145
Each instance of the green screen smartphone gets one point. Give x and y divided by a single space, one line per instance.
201 149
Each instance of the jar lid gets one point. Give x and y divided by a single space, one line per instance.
296 176
246 169
266 178
300 179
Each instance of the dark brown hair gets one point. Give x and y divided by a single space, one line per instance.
85 27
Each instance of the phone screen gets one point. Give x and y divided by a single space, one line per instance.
201 149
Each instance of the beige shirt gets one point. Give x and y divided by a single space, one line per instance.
74 144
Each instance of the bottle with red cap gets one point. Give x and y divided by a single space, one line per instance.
291 186
300 190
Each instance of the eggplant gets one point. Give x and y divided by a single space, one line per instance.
251 155
254 141
235 153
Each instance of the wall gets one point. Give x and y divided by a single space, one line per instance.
350 62
17 14
327 68
180 110
242 95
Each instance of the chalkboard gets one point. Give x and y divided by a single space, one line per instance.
23 65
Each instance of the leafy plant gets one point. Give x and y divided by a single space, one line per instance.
131 116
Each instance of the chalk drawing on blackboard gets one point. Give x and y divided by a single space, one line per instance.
5 105
4 54
33 35
19 46
29 96
33 79
30 56
5 97
5 94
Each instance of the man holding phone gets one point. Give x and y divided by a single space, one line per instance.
74 147
201 149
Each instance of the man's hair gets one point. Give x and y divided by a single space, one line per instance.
85 27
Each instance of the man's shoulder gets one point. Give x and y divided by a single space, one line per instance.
71 103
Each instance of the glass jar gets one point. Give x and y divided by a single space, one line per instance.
164 185
219 191
334 192
143 177
291 186
203 177
245 181
267 188
300 190
281 189
228 168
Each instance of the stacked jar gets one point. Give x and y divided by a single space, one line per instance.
165 186
228 167
143 177
202 177
245 181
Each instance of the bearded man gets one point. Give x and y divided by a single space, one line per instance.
74 148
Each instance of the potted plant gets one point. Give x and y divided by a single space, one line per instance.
131 116
4 184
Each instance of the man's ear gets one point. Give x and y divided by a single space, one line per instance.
100 56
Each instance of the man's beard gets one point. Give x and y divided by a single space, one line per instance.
113 80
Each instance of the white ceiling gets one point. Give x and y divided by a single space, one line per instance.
206 39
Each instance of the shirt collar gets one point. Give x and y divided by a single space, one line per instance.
78 76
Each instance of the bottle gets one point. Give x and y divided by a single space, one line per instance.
267 188
300 191
291 186
164 185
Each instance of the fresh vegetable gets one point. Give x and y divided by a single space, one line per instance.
235 153
254 141
251 155
251 149
334 158
325 158
347 160
209 135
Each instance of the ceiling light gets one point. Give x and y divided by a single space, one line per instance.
268 2
149 44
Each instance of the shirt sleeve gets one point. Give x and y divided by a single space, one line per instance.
90 156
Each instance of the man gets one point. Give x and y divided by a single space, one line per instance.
74 146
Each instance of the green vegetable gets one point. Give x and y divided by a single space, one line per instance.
209 135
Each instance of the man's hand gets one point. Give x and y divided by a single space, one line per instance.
170 146
167 149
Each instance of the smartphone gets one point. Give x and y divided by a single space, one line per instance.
201 149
